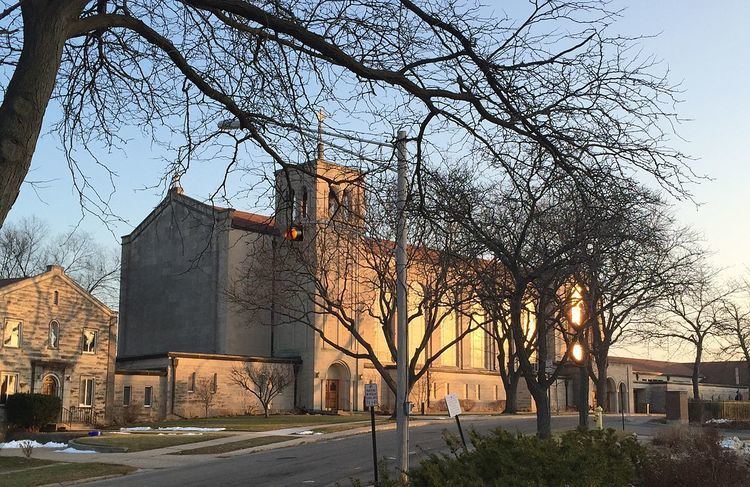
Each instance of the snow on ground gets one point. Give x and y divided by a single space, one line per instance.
171 428
718 421
35 444
74 450
307 432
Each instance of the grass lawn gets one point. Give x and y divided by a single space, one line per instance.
13 463
259 423
25 472
146 441
235 445
344 427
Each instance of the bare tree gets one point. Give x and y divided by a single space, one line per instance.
645 259
552 78
264 381
205 392
27 247
735 326
692 316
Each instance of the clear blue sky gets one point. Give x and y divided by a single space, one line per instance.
705 45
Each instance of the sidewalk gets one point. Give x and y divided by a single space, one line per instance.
166 458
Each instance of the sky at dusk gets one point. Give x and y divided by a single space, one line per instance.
704 44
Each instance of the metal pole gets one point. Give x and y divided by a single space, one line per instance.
622 404
374 444
402 356
461 432
583 401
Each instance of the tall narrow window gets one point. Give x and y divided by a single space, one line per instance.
293 205
56 297
89 341
332 203
303 203
489 352
347 205
215 383
12 334
54 334
86 394
191 383
126 393
8 385
148 393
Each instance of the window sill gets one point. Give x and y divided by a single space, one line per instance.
83 406
88 353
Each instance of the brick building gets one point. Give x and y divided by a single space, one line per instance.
57 339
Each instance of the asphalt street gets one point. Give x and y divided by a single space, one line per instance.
336 461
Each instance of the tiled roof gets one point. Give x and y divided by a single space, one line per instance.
725 372
244 220
655 366
7 282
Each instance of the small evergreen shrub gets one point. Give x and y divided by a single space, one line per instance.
32 411
580 458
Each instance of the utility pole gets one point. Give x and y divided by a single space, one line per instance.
402 355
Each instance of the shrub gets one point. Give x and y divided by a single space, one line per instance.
466 404
32 411
580 457
694 458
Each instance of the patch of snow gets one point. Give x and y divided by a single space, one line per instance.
74 450
732 443
137 428
35 444
190 428
718 421
306 432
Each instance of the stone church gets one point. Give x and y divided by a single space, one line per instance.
177 319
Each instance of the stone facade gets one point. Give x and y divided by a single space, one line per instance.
52 355
175 380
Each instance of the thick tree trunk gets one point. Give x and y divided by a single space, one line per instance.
45 30
543 415
511 395
696 372
601 392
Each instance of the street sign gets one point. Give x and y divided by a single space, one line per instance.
454 407
371 395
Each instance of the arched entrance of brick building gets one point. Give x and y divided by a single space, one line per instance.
612 404
336 388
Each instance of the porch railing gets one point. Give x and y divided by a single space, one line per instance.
80 415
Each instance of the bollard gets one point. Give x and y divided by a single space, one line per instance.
599 417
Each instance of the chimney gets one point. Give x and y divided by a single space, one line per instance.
55 268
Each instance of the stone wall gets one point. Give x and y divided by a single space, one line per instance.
32 301
137 411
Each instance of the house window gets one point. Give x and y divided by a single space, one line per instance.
12 334
56 297
87 392
215 383
147 396
54 334
126 393
8 385
191 383
89 341
466 391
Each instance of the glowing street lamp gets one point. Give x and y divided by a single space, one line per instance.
577 353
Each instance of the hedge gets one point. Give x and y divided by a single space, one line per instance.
32 411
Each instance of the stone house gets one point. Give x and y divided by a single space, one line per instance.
57 339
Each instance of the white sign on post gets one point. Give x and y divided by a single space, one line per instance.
371 395
454 407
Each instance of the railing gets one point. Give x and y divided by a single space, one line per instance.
80 415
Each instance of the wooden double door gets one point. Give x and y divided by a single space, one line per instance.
332 394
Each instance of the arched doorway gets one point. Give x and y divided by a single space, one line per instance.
50 385
611 395
336 388
622 397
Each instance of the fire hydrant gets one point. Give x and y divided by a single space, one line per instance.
599 417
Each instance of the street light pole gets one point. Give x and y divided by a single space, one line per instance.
402 355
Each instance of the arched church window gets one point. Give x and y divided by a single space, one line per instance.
303 203
347 204
332 203
54 334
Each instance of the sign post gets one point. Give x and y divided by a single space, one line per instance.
454 411
371 400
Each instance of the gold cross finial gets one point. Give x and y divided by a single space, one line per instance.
321 114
